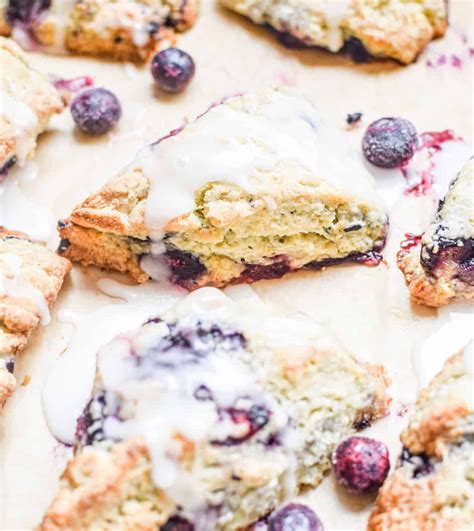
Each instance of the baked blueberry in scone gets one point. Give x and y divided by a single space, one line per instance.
30 279
254 188
27 102
433 486
210 415
383 28
439 268
129 30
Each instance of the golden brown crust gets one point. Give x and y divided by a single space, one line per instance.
430 290
118 476
20 314
432 487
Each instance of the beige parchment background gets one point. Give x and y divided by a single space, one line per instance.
367 308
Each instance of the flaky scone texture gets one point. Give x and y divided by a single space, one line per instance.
291 219
440 269
433 486
126 30
28 100
30 279
214 419
397 29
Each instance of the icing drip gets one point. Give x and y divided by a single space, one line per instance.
23 121
15 284
335 11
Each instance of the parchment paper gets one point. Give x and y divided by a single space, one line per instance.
368 308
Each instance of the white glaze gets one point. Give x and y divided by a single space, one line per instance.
18 212
334 12
68 386
239 147
13 283
22 119
469 357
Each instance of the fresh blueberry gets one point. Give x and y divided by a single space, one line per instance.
96 111
353 117
361 464
25 11
294 517
184 266
172 69
177 523
390 142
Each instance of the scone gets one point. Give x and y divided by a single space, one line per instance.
27 102
210 415
433 486
129 30
254 188
30 279
439 266
398 29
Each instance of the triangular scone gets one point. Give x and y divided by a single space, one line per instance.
128 30
440 268
30 279
390 28
254 188
212 412
432 487
27 102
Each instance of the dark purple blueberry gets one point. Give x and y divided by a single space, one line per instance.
177 523
361 464
254 272
184 266
63 245
254 420
172 69
25 11
356 51
288 40
96 111
89 427
294 517
448 252
10 365
390 142
353 118
422 465
8 164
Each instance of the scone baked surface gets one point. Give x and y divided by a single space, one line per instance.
122 29
30 279
433 486
213 412
254 188
27 102
440 269
386 28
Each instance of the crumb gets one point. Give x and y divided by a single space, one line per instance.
354 118
26 381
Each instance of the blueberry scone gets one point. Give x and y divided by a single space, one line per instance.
254 188
209 416
398 29
433 486
128 30
27 102
439 269
30 279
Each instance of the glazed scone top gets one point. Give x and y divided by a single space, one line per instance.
269 143
212 357
455 219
